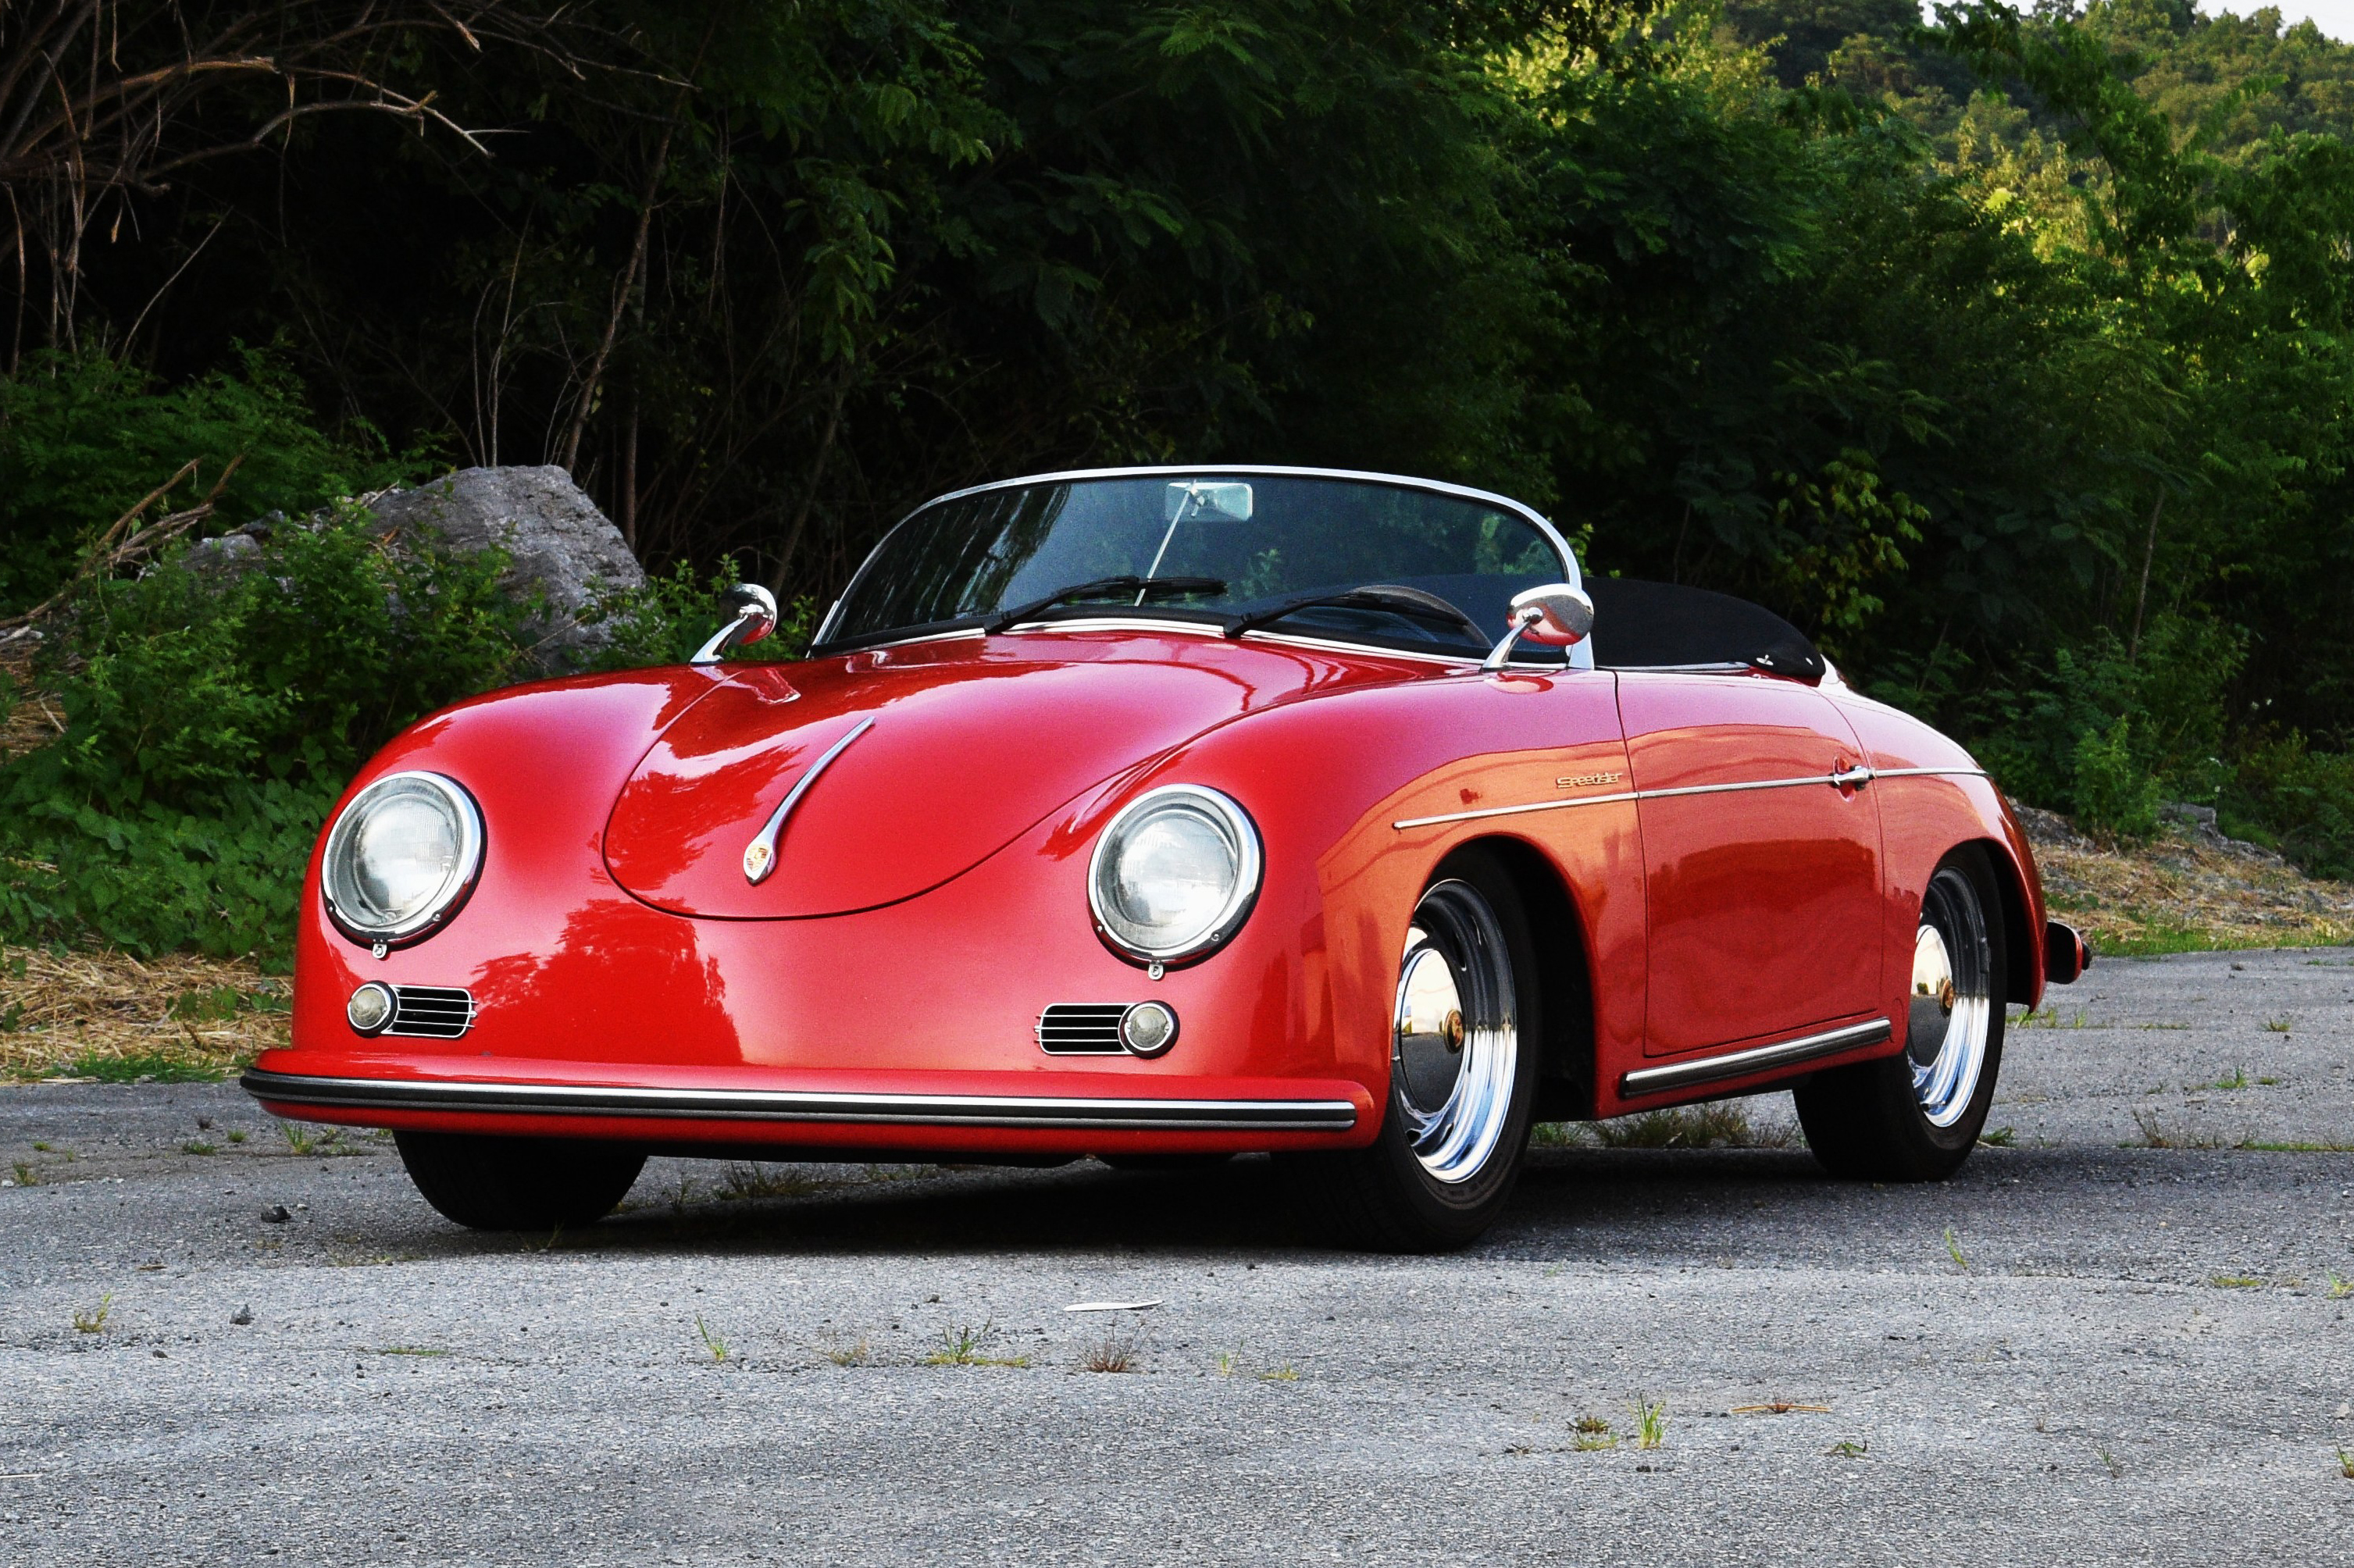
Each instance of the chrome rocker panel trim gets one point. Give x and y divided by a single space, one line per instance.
805 1106
1757 1059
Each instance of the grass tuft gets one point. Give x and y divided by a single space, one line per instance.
1650 1422
1287 1372
1954 1249
711 1340
1593 1435
961 1347
1847 1448
93 1320
2277 1025
2156 1132
842 1355
1116 1353
1720 1125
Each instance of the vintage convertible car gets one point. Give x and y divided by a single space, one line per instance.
1160 815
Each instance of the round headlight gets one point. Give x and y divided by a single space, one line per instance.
402 857
1174 874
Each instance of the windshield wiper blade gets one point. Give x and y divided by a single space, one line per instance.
1105 588
1379 596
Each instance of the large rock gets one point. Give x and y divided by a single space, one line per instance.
559 543
557 540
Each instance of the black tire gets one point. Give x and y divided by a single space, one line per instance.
1383 1197
1867 1122
519 1183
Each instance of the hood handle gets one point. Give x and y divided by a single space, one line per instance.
760 855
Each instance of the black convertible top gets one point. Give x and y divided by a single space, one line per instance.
1643 625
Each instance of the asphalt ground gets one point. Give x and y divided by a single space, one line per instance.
2118 1338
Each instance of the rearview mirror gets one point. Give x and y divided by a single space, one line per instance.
1554 615
1220 502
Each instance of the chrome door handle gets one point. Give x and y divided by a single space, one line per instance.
1854 778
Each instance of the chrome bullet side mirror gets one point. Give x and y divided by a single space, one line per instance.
755 617
1554 614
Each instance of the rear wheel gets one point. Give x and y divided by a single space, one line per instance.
518 1183
1915 1116
1462 1073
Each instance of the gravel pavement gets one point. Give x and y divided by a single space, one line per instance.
2118 1338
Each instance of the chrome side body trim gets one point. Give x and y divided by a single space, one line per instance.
805 1106
1853 778
1757 1059
1515 811
760 855
1928 772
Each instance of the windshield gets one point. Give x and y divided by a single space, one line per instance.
1219 547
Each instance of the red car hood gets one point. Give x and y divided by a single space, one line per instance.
972 743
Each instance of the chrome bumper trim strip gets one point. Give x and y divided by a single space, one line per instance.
1757 1059
805 1106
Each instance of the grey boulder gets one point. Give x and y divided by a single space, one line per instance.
557 540
558 545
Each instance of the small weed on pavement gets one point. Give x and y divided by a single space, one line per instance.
93 1320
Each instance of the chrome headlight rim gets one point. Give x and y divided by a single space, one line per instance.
1242 835
456 887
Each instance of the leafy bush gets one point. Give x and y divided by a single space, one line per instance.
2115 795
2300 798
83 437
212 718
670 617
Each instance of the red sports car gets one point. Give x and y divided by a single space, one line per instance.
1162 815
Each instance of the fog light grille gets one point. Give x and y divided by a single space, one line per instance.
431 1011
1082 1029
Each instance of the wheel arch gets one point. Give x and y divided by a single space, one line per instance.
2022 934
1565 977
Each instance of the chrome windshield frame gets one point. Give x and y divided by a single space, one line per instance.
1535 519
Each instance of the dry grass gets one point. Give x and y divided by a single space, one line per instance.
107 1014
27 717
2181 892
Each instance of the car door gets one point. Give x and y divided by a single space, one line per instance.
1762 879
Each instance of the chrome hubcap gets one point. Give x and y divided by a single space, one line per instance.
1949 1009
1455 1040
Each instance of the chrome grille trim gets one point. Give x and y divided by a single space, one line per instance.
431 1011
1081 1112
1082 1029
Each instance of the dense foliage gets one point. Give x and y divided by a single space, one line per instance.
2012 356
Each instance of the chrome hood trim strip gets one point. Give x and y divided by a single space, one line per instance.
1757 1059
760 855
803 1105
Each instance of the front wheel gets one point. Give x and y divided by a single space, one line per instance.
1915 1116
518 1183
1462 1073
